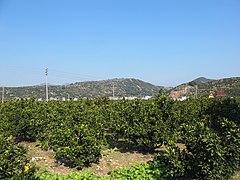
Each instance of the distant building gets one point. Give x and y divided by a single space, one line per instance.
220 94
211 95
131 98
114 98
182 98
146 97
53 99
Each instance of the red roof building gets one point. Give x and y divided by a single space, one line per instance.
220 93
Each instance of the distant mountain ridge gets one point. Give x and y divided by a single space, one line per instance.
125 87
202 87
201 80
118 87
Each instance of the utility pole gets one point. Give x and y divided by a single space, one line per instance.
46 73
2 94
113 92
196 91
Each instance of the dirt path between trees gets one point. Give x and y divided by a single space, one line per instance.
112 159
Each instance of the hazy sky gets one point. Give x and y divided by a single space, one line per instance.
164 42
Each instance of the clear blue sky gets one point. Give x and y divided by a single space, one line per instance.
164 42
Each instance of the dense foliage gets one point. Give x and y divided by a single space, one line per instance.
73 176
209 154
77 131
136 172
13 162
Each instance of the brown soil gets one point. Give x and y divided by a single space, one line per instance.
237 176
45 160
112 159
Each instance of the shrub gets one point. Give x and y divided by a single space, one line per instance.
209 154
137 172
13 162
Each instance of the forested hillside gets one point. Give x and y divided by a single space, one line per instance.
124 87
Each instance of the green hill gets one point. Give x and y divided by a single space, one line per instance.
230 85
201 80
124 87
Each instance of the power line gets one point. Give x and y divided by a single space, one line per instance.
69 76
75 75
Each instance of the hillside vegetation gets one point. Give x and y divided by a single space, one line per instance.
201 80
230 85
124 87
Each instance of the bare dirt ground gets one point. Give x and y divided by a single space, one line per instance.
45 160
237 176
112 159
